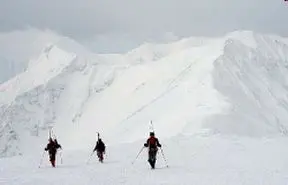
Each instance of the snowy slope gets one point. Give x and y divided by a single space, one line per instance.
15 93
206 97
152 92
255 81
21 49
192 160
34 105
52 61
194 86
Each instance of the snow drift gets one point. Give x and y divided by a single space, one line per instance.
232 85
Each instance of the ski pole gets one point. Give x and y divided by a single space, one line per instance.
138 154
164 157
106 156
90 157
152 126
60 155
41 160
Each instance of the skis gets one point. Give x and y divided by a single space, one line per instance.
41 160
52 136
151 127
89 158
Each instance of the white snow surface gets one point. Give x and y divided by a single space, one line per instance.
219 107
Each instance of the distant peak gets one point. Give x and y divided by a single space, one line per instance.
245 36
48 48
241 32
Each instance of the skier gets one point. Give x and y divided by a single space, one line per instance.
52 147
152 144
100 148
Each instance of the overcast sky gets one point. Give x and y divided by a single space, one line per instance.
82 19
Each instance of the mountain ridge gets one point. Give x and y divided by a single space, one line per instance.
189 83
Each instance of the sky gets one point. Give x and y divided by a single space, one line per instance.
89 19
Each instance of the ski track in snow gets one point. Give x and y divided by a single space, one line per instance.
168 89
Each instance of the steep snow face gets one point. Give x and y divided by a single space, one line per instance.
254 80
84 93
175 92
50 64
64 82
193 86
20 94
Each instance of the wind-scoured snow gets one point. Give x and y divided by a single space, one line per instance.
218 105
255 82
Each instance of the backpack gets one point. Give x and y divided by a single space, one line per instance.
152 142
100 145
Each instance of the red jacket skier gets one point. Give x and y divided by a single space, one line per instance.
152 143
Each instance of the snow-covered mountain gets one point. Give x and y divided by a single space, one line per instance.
254 80
19 47
231 85
218 105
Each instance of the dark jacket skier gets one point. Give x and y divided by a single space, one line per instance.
52 147
152 143
100 148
